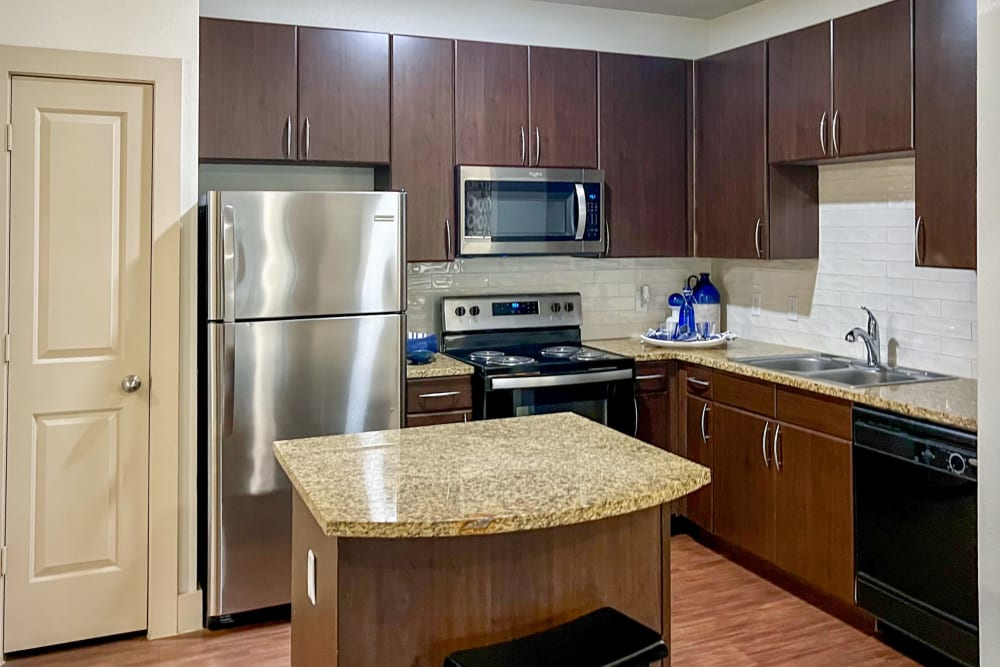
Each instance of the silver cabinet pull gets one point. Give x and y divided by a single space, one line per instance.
917 255
635 404
131 383
822 132
763 443
699 383
658 376
524 148
308 136
756 238
465 417
440 394
538 147
288 138
836 133
774 446
705 409
447 237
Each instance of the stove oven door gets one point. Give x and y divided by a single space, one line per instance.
607 397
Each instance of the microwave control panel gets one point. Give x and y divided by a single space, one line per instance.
592 231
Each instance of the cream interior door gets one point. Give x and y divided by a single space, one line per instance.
78 435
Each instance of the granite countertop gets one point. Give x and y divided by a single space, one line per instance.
948 402
442 366
480 478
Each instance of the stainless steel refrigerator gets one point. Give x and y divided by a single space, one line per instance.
303 298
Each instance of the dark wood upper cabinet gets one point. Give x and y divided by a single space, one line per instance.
731 169
873 81
343 96
491 104
423 143
644 153
247 107
945 113
563 115
800 70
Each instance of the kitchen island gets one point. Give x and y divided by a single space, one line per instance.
408 545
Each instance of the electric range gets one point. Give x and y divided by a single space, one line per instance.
529 359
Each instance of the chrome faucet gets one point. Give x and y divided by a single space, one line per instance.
873 343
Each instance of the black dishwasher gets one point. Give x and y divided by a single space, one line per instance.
915 530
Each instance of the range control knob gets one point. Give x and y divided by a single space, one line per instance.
556 308
927 456
956 463
569 306
460 311
474 311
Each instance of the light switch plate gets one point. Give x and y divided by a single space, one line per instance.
755 306
793 308
311 576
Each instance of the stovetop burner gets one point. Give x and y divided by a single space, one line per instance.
590 355
510 360
560 351
486 355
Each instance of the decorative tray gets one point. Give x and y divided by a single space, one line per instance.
715 340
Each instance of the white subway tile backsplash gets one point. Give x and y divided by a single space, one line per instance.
866 258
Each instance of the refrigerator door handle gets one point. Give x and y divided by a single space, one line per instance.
228 262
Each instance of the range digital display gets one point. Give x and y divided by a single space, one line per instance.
515 308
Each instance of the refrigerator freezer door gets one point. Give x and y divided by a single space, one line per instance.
307 254
275 381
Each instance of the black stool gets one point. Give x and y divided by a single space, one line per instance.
603 638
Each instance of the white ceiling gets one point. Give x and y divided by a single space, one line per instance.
699 9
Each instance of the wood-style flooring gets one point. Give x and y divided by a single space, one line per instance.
723 616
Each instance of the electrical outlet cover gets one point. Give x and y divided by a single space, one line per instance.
755 306
793 308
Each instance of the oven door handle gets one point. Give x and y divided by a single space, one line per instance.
542 381
581 211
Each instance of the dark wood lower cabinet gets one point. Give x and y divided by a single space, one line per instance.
435 418
814 533
700 415
653 419
743 483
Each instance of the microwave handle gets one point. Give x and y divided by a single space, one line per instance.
581 211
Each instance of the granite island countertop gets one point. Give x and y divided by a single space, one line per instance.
442 366
480 478
948 402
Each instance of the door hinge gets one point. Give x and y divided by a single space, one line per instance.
3 561
8 131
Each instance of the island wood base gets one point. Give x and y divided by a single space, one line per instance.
410 602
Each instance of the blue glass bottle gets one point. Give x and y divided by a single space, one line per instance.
708 303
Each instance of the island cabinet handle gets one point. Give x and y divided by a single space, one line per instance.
705 437
763 443
440 394
658 376
699 383
777 434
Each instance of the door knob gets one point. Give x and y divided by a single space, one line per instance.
131 383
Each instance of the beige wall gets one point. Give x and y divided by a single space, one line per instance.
989 341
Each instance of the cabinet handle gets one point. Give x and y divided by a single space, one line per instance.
774 446
836 133
465 417
524 148
447 237
763 443
699 383
538 147
658 376
288 138
704 431
440 394
822 132
756 238
918 256
308 136
635 404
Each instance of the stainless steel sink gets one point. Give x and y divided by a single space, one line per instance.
842 370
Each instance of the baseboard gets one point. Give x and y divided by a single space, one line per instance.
189 611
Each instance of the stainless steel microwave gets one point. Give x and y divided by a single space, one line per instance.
531 211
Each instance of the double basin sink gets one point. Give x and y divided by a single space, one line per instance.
841 370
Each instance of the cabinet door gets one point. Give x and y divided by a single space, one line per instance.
491 104
563 118
344 96
945 73
700 415
652 411
436 418
731 154
247 91
743 500
423 143
643 120
799 98
873 80
814 535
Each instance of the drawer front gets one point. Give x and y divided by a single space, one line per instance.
435 418
699 381
439 395
739 392
818 413
651 378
